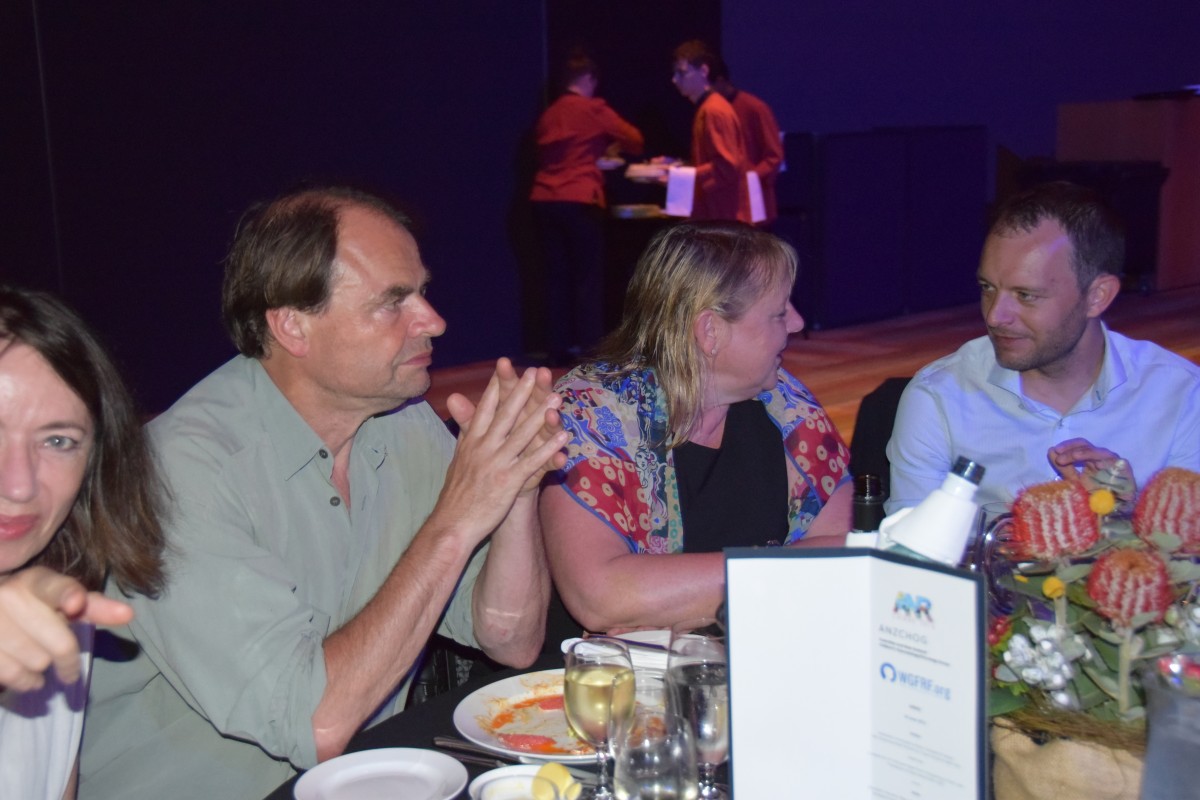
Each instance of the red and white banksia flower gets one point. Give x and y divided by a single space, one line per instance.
1127 583
1051 520
1170 503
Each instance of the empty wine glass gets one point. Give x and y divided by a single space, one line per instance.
653 759
598 693
987 554
698 687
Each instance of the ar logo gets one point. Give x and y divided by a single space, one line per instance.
913 607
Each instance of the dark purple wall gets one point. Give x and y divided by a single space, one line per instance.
167 119
844 65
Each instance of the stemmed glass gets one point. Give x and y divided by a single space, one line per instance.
653 756
598 692
987 554
698 685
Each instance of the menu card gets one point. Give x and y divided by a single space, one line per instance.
681 191
758 209
854 673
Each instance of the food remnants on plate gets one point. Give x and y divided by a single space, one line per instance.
533 722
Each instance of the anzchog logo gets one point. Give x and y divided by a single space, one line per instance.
913 607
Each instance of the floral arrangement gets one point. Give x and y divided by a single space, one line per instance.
1083 593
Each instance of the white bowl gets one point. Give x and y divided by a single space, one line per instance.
516 769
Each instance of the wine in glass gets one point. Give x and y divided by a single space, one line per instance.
698 678
598 692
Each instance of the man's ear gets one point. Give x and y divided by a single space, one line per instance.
1100 294
289 330
704 69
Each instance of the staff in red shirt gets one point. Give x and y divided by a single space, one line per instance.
718 148
568 201
764 148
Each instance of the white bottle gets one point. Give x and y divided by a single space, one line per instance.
938 528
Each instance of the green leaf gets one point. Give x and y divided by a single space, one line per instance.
1002 701
1077 595
1107 711
1073 572
1161 635
1165 541
1088 693
1110 654
1157 650
1135 713
1107 683
1004 674
1183 571
1099 626
1142 620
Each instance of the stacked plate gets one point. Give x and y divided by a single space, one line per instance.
385 774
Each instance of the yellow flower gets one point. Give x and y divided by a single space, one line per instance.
1102 502
1054 588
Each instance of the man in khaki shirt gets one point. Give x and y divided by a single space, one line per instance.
325 522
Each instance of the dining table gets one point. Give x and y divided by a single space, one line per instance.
417 725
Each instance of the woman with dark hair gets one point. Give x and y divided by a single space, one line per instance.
688 436
79 503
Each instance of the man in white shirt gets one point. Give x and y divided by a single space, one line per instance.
1050 391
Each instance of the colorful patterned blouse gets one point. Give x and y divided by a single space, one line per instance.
619 469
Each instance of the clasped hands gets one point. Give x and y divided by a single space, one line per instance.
507 442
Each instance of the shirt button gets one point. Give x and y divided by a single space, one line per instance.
335 501
322 453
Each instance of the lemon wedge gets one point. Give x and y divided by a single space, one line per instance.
568 787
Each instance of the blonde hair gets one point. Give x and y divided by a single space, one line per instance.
689 268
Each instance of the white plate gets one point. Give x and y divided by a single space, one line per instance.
384 774
535 703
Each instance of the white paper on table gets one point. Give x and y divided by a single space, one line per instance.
758 209
681 191
855 674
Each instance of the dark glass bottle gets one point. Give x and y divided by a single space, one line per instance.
868 503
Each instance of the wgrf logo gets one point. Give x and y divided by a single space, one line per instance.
912 680
913 608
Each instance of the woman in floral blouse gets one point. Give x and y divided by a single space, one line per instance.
688 436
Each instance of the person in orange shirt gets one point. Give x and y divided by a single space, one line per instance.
718 146
573 134
764 147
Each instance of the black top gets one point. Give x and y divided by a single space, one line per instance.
735 495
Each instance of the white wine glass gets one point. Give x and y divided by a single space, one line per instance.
698 688
598 694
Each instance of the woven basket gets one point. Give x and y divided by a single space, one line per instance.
1061 769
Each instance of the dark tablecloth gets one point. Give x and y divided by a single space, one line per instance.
417 726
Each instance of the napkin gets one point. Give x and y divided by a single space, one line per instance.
642 658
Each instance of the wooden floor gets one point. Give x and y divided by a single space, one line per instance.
841 365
